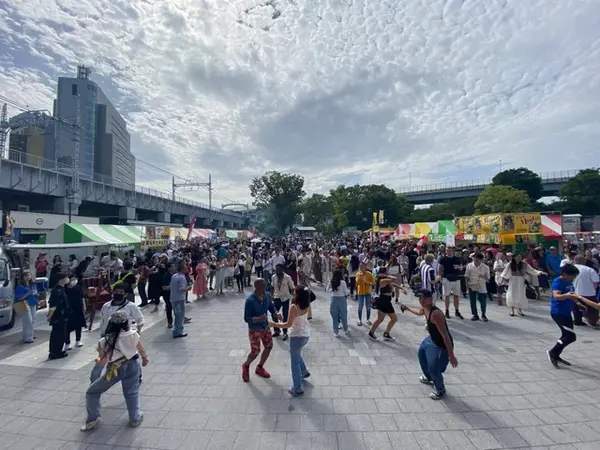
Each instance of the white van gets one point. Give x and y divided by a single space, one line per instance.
7 292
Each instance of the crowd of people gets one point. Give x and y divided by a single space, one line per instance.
282 276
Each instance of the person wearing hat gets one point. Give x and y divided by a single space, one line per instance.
436 350
119 352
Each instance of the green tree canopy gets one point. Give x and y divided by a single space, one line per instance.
317 211
522 179
281 193
445 211
581 194
502 199
354 205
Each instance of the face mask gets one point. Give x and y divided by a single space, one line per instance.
73 283
118 297
66 280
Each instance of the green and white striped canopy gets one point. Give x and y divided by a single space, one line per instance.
71 233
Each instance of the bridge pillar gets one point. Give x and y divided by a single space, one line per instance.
61 206
127 213
217 224
164 217
202 222
188 219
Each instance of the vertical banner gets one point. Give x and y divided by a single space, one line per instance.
374 224
191 228
381 218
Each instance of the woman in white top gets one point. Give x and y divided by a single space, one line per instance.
119 353
515 273
339 302
499 266
299 332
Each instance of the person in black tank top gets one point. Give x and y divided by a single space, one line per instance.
436 350
384 304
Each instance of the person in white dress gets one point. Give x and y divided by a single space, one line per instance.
499 266
514 273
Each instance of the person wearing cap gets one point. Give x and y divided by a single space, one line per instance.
436 350
119 352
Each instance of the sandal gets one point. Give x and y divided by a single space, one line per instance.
521 313
511 314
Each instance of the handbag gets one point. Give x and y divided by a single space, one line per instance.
21 308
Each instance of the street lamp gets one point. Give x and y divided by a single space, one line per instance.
70 199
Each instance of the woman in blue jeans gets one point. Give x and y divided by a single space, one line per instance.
339 302
437 349
26 292
119 352
299 333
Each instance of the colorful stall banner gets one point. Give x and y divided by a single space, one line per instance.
552 225
374 223
465 225
522 223
490 223
381 218
446 227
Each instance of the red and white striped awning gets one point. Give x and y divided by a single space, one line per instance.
552 225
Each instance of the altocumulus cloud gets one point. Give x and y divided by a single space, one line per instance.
338 90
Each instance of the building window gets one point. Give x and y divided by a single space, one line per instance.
74 89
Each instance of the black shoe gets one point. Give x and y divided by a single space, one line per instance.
580 324
306 375
388 337
182 335
484 318
475 318
276 334
562 361
552 359
459 315
284 337
143 304
447 314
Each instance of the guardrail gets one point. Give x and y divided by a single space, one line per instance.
64 169
547 177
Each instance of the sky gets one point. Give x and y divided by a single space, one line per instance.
403 93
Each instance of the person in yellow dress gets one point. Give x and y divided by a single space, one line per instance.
364 285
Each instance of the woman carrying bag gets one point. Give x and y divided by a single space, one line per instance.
26 299
119 352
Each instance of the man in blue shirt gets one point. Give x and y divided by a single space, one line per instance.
553 259
561 305
255 315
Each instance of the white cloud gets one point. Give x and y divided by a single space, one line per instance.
337 90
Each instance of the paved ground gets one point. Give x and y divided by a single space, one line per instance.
363 395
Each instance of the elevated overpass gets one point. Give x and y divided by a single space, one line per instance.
437 193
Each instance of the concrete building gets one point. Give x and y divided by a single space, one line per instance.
113 158
31 137
104 145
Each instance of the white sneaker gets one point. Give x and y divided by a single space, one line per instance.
68 347
78 344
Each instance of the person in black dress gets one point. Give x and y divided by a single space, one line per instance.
384 304
58 312
76 320
55 271
437 349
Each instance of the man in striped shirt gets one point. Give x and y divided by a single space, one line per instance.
428 278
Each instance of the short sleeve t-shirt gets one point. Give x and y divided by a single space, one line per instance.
448 263
562 307
125 347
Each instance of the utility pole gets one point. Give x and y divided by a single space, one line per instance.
73 186
191 185
3 129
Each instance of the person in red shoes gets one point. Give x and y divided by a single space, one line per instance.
258 304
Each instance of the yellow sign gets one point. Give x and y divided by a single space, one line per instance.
522 223
374 224
465 225
490 223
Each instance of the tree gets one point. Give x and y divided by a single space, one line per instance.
445 211
354 205
581 194
282 193
317 210
502 199
522 179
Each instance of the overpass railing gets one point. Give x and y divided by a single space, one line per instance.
66 170
547 177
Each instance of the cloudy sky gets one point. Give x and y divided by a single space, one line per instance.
341 91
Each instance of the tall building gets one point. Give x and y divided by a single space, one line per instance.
104 142
113 157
